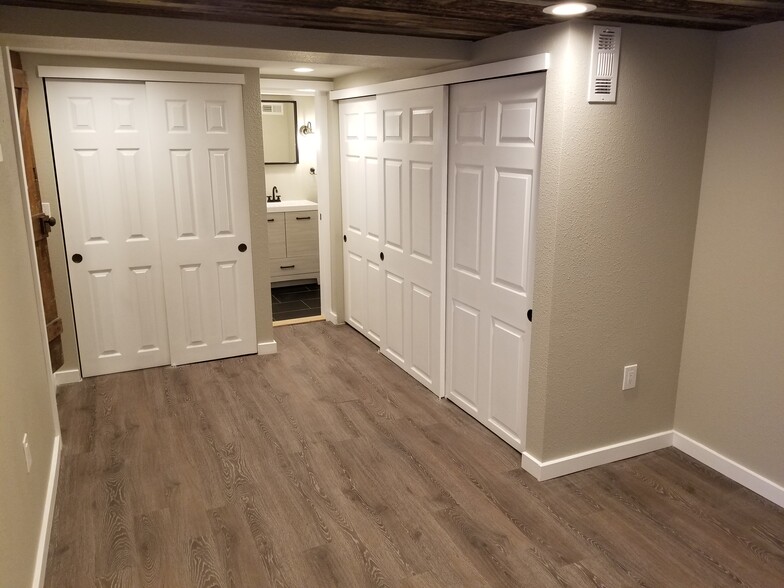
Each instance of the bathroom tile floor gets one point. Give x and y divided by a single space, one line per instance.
290 302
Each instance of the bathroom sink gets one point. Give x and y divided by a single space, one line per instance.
291 206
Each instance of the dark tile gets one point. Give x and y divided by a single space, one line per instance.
289 296
314 303
289 289
287 306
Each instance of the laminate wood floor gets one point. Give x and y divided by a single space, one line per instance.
325 465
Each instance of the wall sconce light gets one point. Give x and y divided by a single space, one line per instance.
306 129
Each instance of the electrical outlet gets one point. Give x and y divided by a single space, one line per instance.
28 455
629 377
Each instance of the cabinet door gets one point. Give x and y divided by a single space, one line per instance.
201 188
276 234
301 233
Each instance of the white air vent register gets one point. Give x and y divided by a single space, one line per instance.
606 51
272 108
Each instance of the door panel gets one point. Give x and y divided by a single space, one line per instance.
201 188
41 222
412 155
494 154
362 217
99 134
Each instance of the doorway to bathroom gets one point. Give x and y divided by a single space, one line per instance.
290 153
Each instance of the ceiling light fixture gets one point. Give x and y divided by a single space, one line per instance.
569 8
303 69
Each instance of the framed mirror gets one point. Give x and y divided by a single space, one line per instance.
279 129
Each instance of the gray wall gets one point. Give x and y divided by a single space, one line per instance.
26 404
731 388
43 152
617 209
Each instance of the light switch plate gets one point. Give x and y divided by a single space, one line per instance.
629 377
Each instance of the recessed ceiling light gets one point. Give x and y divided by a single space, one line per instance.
569 8
303 69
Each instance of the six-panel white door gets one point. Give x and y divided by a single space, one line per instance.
104 179
495 129
412 160
363 285
201 187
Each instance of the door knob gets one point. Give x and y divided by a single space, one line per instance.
530 315
242 247
381 255
345 238
77 258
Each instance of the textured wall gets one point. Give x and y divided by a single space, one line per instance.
617 209
731 387
25 399
43 151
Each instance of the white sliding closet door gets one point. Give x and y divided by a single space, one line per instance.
412 158
495 129
201 186
362 216
104 178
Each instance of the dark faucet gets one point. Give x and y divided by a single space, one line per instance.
275 196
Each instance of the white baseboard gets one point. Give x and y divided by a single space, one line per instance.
67 377
332 317
268 347
733 470
46 522
595 457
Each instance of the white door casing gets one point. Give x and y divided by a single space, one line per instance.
495 129
201 188
362 217
412 155
101 153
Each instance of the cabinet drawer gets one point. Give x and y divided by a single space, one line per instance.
276 234
301 233
308 264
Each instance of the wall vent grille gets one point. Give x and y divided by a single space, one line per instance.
605 54
271 108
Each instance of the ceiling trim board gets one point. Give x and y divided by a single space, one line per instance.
499 69
138 75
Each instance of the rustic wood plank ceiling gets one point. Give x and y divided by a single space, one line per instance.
444 19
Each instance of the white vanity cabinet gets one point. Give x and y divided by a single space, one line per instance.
292 231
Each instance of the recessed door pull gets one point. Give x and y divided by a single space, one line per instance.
287 267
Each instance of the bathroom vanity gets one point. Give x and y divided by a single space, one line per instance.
292 230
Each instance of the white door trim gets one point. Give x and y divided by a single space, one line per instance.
138 75
498 69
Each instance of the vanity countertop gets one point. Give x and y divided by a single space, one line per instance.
291 206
